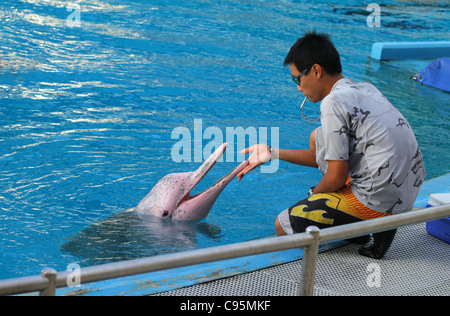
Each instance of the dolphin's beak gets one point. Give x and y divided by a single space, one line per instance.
201 172
204 201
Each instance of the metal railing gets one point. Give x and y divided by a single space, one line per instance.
50 280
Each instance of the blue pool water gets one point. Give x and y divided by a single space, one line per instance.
86 114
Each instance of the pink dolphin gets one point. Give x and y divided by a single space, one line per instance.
171 195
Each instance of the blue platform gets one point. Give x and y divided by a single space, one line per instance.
410 50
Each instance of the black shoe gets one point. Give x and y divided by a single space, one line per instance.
381 243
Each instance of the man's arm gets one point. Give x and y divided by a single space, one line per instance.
261 154
335 177
304 157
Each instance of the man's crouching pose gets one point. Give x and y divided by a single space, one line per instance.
368 154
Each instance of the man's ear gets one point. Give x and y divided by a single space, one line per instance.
317 70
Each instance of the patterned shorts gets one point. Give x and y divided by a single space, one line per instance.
326 210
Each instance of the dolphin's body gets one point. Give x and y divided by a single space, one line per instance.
171 195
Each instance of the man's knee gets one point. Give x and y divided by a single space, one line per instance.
279 229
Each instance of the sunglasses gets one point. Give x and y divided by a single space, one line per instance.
304 72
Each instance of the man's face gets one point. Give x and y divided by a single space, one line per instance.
308 84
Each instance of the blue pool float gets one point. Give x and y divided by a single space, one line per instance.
436 74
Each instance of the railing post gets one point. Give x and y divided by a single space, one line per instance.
50 274
309 263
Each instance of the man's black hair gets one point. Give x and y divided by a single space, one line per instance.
312 49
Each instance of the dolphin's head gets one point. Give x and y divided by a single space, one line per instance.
171 195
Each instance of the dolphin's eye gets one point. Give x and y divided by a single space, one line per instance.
165 214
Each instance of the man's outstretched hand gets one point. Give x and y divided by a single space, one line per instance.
260 155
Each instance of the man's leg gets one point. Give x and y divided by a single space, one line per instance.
326 210
381 243
279 229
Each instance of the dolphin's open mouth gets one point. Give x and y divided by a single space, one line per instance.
171 196
203 170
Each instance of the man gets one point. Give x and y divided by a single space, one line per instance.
371 163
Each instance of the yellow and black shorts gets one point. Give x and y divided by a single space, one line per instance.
326 210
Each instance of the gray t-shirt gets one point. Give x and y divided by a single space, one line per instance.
361 126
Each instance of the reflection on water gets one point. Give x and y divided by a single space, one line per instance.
126 236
